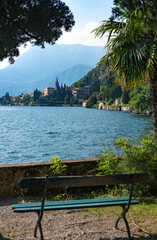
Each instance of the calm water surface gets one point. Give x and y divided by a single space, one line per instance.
32 134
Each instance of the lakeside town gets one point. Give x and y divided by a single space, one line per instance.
51 96
62 95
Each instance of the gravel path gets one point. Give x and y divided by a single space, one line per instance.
59 225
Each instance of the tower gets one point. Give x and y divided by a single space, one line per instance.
57 84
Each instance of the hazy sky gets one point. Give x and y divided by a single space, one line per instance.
88 14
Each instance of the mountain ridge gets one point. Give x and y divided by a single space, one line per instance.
34 68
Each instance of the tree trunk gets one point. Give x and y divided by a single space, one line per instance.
153 94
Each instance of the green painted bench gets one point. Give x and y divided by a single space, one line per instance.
79 181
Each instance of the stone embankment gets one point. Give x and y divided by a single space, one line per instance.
10 174
119 107
115 107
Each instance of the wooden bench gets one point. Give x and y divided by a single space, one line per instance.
79 181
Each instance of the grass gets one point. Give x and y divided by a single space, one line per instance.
11 234
8 232
143 215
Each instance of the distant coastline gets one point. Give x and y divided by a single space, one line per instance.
119 107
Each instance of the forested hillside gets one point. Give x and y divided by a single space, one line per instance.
103 88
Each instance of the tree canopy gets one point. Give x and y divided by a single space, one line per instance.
132 45
35 21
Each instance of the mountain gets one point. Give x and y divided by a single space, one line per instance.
96 74
68 76
38 68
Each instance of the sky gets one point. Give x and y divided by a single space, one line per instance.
88 15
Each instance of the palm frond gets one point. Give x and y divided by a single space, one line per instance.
132 61
109 27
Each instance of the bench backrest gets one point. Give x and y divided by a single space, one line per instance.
82 181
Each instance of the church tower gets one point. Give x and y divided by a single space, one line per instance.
57 84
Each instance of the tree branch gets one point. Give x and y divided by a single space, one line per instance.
22 29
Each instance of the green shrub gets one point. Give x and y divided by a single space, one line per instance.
140 99
92 100
140 157
108 161
58 168
136 157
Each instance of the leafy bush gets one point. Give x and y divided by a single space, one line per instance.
92 100
73 100
140 157
108 161
136 157
58 168
140 99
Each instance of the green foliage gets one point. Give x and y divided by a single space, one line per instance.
110 92
7 97
109 161
92 100
95 78
58 168
67 99
138 156
91 77
132 46
140 99
31 21
60 197
73 100
36 95
125 97
102 81
26 100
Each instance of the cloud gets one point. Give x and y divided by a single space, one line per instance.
82 36
4 64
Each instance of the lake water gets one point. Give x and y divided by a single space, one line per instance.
32 134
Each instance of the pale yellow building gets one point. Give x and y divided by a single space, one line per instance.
48 91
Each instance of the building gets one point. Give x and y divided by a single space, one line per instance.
86 90
26 95
77 92
49 91
84 103
82 93
118 102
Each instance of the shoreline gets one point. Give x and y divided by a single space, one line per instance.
121 108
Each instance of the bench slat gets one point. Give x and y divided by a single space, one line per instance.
75 206
83 181
70 202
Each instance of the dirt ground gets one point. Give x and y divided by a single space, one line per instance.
60 225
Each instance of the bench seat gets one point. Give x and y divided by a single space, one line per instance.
73 204
62 182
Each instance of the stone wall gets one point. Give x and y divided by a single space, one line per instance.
125 109
10 174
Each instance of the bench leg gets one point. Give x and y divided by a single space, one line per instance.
38 225
122 215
